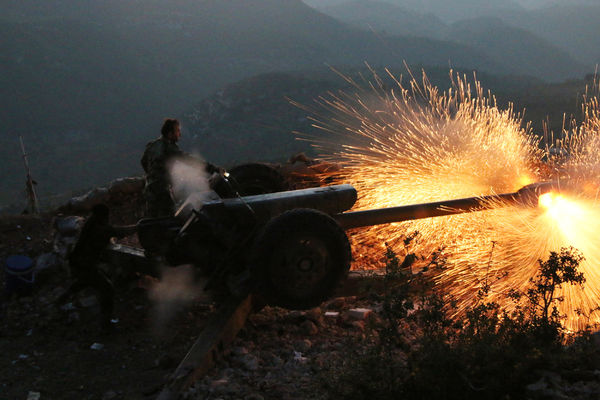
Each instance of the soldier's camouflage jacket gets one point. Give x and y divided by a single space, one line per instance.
157 156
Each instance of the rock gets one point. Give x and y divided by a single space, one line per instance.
303 345
127 185
272 360
360 325
587 390
218 383
537 386
296 315
68 226
63 245
97 346
228 372
67 307
34 396
309 328
249 362
89 301
298 357
552 377
90 199
578 375
46 261
375 319
239 351
315 315
254 396
336 304
541 389
111 394
359 313
224 387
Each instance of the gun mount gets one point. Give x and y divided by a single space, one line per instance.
289 247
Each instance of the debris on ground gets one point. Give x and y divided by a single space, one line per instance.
58 351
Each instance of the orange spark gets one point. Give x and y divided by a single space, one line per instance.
404 146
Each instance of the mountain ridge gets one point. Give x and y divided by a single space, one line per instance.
87 83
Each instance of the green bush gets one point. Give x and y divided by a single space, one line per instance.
419 349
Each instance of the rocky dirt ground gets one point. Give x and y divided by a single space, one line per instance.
52 352
48 352
60 353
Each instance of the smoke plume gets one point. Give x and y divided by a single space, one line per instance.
175 290
190 184
188 177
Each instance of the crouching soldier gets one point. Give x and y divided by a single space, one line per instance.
85 258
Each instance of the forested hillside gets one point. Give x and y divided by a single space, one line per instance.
78 76
87 83
254 118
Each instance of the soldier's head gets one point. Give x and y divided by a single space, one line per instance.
100 213
171 129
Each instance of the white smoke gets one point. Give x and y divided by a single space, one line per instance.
190 184
175 290
188 177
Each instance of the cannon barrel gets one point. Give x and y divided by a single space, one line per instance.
527 196
328 199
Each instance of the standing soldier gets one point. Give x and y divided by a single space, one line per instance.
85 258
155 161
158 157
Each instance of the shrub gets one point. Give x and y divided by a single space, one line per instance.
417 350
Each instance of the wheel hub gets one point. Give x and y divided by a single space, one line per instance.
300 264
305 265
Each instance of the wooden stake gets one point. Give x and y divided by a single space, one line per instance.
32 200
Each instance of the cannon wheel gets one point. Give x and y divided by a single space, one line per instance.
251 179
299 259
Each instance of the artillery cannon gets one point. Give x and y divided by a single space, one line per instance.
289 247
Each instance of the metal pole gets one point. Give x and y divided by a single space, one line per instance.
31 196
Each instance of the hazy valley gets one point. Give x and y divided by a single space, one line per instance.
87 84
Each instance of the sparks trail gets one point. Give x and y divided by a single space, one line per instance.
407 145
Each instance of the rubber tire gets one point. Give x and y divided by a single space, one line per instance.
290 243
251 179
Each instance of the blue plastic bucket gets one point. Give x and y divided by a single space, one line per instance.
19 274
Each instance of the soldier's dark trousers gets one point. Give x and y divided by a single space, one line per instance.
93 278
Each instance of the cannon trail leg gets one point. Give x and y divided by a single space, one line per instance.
218 334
